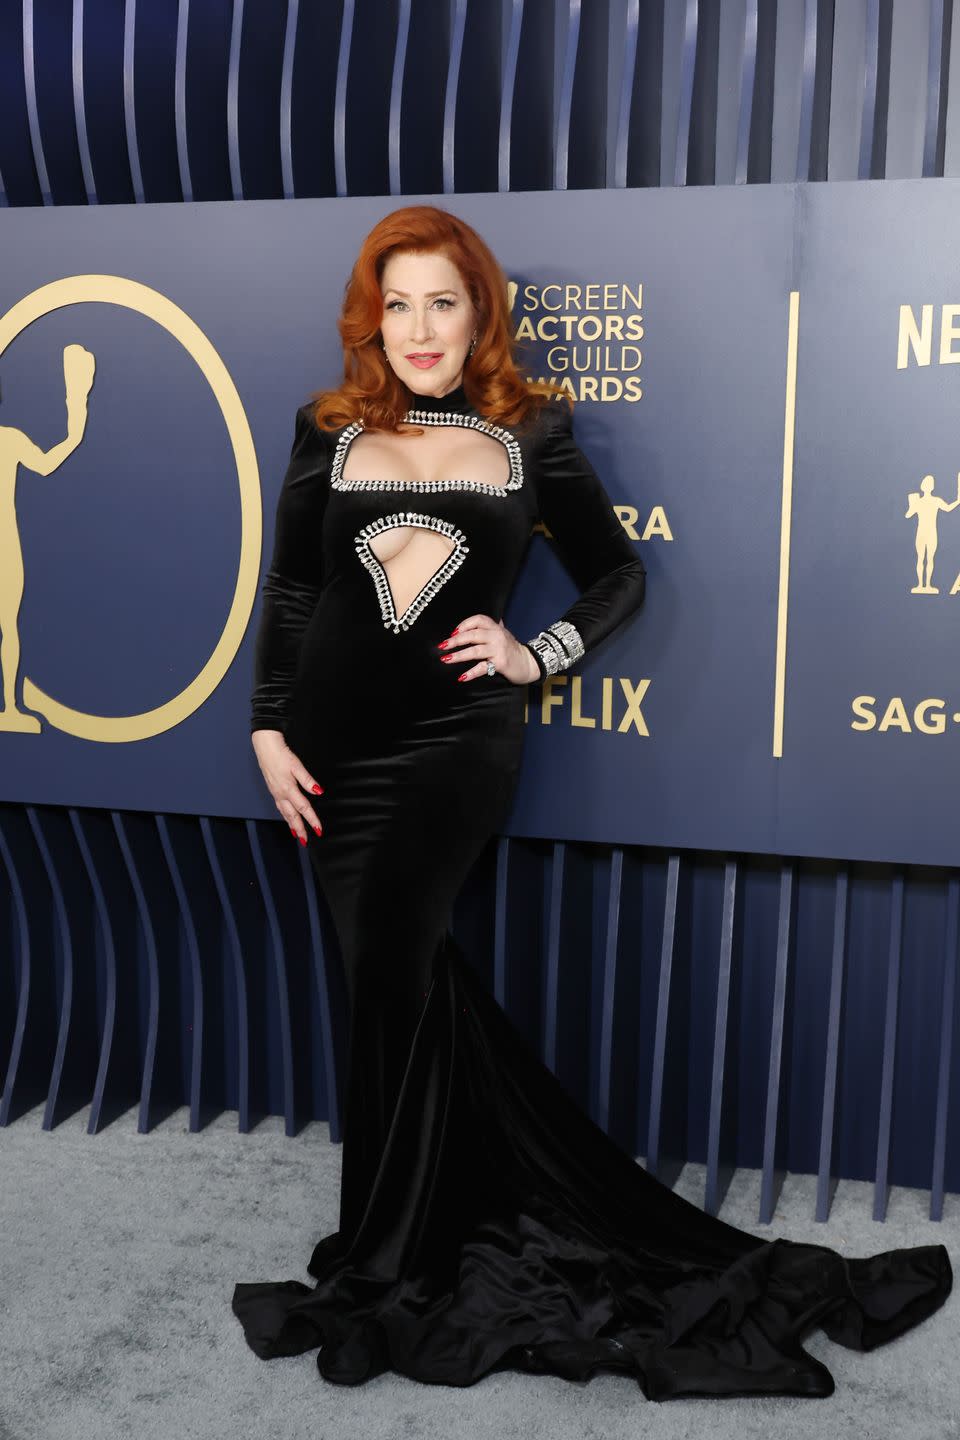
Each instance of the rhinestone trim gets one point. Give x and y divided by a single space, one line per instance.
431 417
391 620
558 646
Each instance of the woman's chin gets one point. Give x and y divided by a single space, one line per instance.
425 382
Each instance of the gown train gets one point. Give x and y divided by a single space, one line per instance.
505 1230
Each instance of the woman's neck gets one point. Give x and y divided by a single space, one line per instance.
454 399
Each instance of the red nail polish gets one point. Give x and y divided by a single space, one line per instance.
318 830
463 676
455 629
303 839
294 833
317 789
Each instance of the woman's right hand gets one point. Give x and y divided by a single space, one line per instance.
284 775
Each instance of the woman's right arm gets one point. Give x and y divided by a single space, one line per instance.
290 591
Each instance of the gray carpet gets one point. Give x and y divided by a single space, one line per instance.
120 1252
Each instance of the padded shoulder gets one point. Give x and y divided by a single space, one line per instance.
546 419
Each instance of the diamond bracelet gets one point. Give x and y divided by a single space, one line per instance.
558 646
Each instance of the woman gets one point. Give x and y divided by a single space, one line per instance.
485 1222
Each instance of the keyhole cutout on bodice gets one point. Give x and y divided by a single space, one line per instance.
442 452
410 556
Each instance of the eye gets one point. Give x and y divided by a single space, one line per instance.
442 300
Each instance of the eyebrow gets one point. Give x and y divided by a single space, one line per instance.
430 294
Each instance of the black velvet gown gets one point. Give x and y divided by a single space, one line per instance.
486 1223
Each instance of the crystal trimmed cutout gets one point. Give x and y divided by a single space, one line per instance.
391 620
431 417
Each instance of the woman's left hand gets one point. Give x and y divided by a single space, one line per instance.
481 638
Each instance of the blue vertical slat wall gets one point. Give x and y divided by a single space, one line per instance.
735 1010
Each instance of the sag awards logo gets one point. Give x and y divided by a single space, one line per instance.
587 335
929 716
19 452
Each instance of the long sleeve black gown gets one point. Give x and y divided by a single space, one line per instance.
486 1222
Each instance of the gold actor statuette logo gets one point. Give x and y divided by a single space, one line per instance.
926 507
17 449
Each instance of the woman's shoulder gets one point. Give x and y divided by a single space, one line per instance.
311 453
306 416
545 416
309 432
558 413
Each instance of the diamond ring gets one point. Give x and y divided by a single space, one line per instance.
491 668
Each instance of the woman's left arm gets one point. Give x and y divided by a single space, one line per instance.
592 543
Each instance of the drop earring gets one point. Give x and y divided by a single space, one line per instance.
473 343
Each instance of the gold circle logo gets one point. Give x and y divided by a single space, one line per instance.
131 295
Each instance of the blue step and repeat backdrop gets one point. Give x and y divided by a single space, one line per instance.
767 390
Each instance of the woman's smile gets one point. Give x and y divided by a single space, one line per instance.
424 359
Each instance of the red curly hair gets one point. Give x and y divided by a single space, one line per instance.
371 391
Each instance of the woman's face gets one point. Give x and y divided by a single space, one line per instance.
428 321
